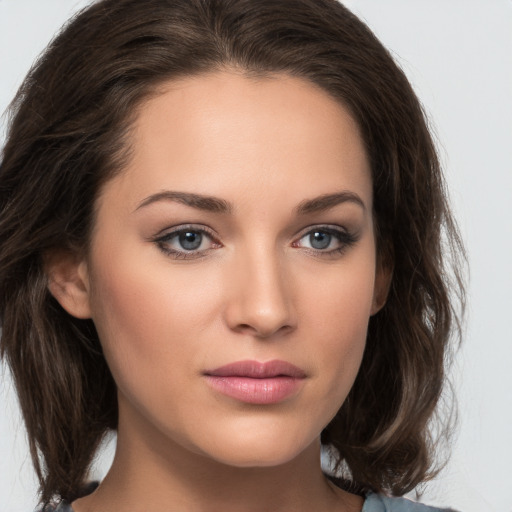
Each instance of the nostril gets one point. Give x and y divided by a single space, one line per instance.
262 331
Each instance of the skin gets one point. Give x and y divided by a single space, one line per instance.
255 289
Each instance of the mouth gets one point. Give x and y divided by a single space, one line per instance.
257 370
256 383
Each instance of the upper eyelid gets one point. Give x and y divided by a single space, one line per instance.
184 227
346 236
325 227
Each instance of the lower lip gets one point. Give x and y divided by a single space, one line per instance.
255 391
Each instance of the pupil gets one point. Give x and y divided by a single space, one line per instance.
190 241
320 240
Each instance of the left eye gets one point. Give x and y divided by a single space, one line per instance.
326 240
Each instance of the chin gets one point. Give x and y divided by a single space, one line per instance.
254 459
250 451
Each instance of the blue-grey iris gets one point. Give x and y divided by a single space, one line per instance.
190 240
320 239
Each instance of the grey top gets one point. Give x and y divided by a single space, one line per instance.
372 503
381 503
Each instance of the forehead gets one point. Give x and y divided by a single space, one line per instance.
216 133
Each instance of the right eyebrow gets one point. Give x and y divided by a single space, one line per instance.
199 201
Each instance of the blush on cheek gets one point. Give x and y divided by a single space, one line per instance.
344 339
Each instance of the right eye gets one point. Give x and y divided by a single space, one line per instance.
186 242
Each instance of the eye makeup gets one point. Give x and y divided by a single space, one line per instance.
191 241
326 240
187 242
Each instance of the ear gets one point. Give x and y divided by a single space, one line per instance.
68 281
383 277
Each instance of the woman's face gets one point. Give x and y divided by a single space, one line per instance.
241 230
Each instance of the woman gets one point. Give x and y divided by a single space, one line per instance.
221 226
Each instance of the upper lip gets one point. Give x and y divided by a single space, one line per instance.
257 370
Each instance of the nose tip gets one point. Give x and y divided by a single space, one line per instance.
261 304
263 325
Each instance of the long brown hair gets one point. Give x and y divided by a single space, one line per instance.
68 135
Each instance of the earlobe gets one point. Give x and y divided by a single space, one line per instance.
68 282
381 289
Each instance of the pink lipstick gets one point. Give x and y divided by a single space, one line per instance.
256 383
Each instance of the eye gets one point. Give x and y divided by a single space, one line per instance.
326 240
186 242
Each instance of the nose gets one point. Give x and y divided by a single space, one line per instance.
261 302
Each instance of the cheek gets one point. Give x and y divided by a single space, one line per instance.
152 316
339 313
341 296
133 284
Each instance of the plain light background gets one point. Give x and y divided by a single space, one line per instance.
458 56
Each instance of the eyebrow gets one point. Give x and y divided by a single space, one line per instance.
327 201
217 205
199 201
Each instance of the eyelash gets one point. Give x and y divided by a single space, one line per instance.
345 239
163 241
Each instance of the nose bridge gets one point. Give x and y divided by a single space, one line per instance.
262 303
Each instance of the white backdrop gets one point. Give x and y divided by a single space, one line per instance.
458 55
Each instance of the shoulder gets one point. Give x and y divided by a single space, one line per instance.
381 503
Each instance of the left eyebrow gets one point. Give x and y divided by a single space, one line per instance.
327 201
